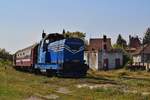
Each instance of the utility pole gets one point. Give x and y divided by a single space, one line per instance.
142 58
143 52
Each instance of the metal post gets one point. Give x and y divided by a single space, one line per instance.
143 54
142 51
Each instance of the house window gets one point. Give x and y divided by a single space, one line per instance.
117 62
93 49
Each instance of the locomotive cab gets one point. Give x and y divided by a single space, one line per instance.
43 54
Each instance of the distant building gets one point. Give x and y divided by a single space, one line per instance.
101 56
134 44
142 56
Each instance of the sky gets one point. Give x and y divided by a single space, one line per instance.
22 21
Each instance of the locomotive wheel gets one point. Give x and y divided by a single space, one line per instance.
16 68
31 70
48 73
37 71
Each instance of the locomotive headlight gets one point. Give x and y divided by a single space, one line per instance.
76 61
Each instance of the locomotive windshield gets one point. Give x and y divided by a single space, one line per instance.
49 39
75 45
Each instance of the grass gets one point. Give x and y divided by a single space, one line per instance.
112 85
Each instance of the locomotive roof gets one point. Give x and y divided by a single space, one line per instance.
52 35
64 40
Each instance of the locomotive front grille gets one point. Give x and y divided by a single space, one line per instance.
70 67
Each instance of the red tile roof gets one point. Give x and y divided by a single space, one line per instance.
140 50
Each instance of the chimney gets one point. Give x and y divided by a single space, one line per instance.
105 42
63 32
105 38
129 37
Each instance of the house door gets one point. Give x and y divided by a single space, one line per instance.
117 63
105 64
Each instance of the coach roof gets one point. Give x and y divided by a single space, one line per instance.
30 47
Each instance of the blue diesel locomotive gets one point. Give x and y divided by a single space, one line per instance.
53 55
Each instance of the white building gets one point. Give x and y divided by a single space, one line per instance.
99 60
142 57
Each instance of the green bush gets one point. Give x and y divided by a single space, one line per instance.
126 56
4 55
4 63
126 59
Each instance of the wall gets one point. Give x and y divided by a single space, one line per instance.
95 59
91 59
111 59
137 58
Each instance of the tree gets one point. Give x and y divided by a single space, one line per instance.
121 42
64 32
5 55
126 56
76 34
146 38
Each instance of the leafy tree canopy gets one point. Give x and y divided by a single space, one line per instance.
146 38
121 42
4 55
126 56
76 34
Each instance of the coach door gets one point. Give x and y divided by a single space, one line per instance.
117 63
105 64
